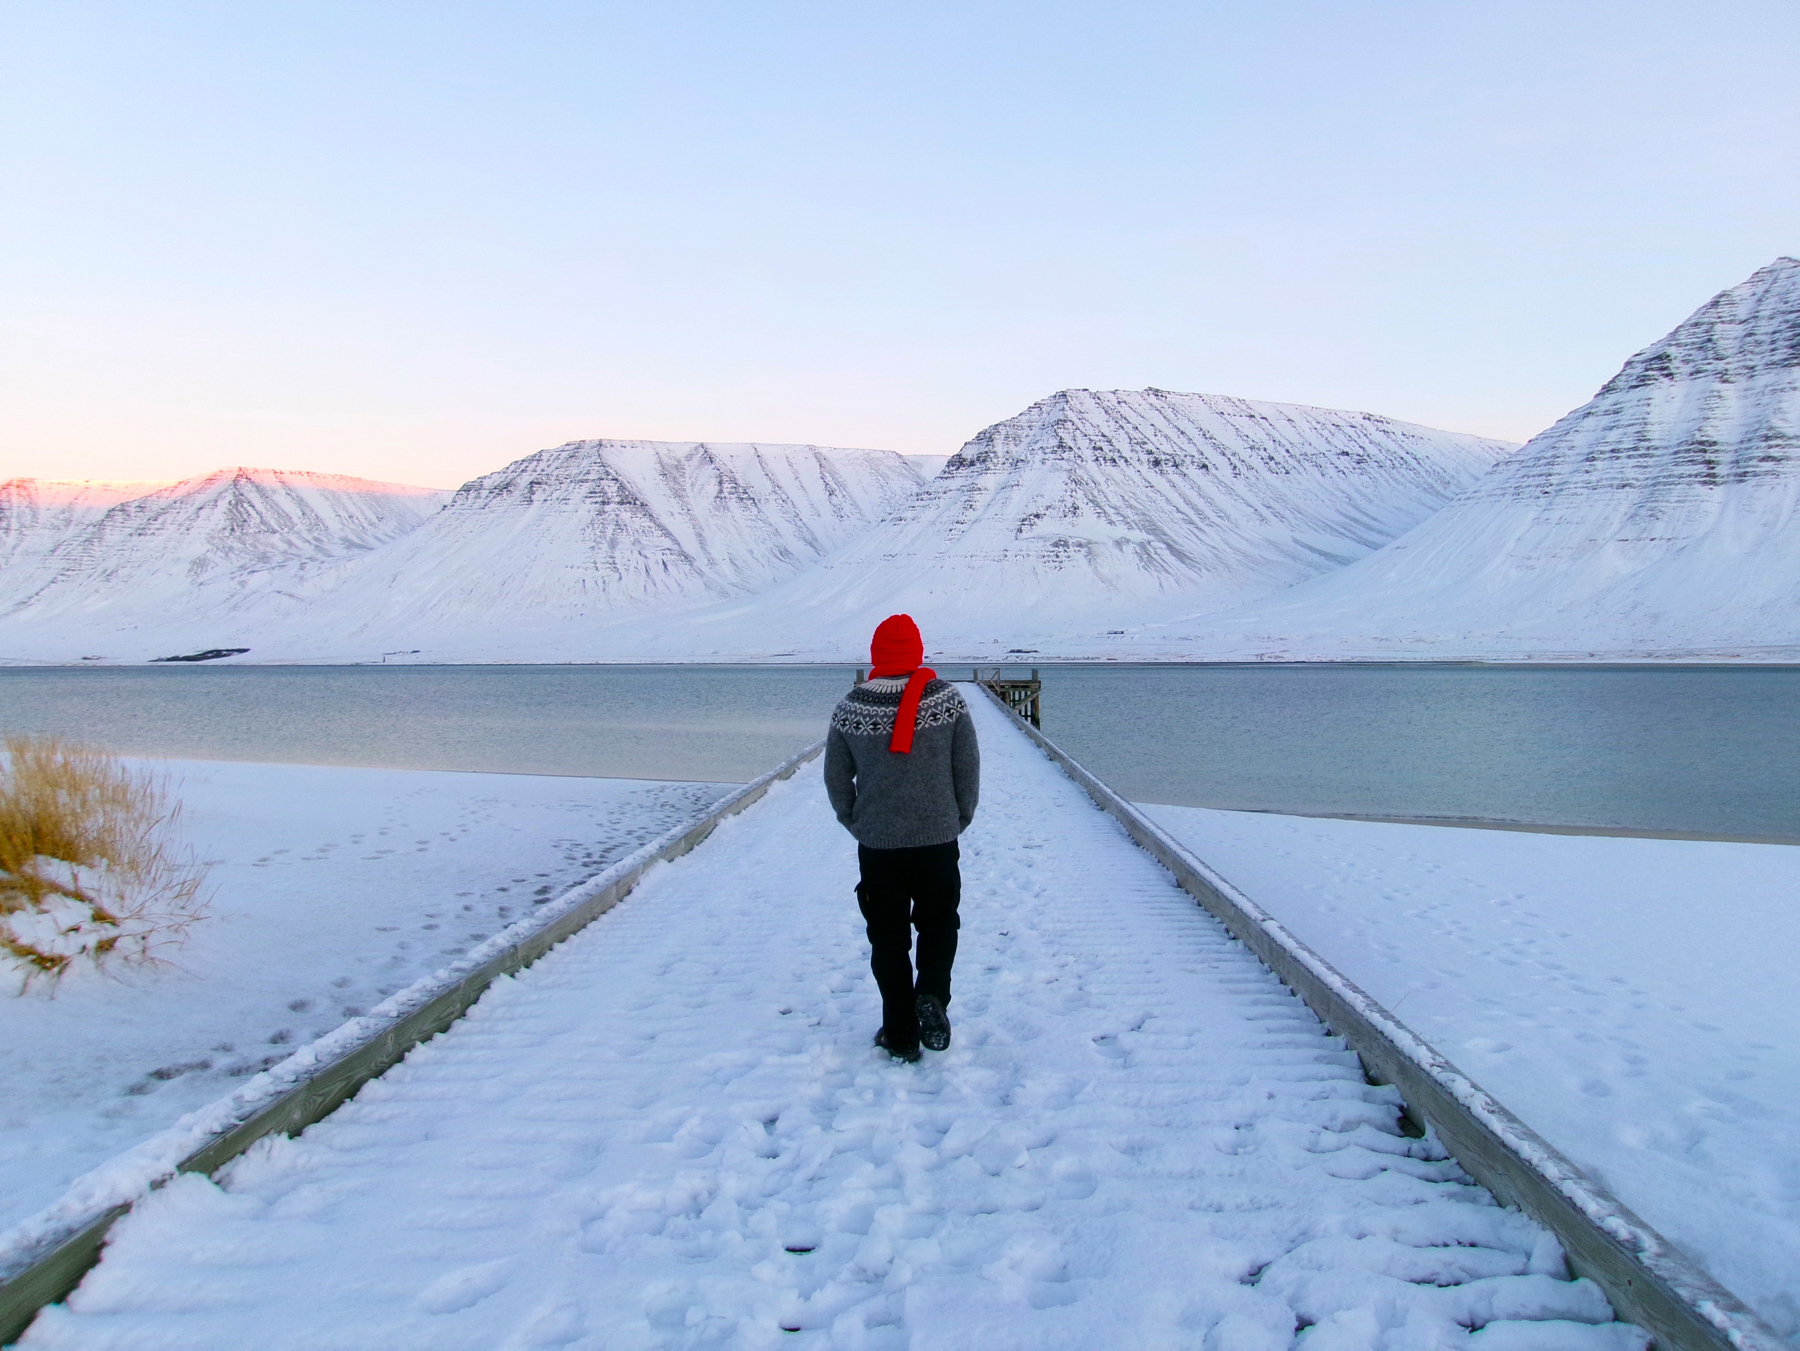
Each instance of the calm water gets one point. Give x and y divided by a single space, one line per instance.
720 723
1707 750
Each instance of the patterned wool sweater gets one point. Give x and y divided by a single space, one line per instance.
890 800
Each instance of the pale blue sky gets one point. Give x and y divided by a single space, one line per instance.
416 240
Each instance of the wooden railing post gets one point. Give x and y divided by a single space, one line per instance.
1022 697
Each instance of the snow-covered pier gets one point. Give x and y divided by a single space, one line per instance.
672 1131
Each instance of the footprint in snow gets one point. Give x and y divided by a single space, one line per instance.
462 1289
556 1323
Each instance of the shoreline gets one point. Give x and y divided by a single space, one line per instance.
1524 827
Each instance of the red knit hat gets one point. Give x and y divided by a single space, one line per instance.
897 650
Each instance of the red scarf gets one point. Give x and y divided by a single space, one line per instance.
898 650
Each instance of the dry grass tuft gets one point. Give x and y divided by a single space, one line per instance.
88 867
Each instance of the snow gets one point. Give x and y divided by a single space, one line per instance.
1100 510
1087 511
332 888
169 571
529 560
673 1132
1630 999
36 515
532 559
1657 520
928 465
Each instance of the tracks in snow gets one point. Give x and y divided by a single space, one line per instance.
673 1132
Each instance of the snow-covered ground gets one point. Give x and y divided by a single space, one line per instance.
333 888
673 1132
1634 1000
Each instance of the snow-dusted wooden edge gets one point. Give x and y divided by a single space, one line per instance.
43 1258
1649 1281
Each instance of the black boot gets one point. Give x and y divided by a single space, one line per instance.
909 1054
934 1023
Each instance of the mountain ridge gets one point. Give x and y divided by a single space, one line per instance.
1655 521
212 544
1657 518
566 538
1091 508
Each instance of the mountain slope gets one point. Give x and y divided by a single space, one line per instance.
195 553
532 558
36 515
1096 510
1657 519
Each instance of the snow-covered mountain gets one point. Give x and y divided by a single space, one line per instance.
1097 510
1662 518
531 559
185 556
929 465
38 514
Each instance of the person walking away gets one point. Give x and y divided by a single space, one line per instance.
903 771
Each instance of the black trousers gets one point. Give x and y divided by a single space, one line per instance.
904 889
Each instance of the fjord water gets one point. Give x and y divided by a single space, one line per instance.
724 724
1693 750
1700 750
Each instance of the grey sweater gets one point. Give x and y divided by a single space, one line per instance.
890 800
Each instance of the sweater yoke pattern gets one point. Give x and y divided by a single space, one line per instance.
870 709
889 799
